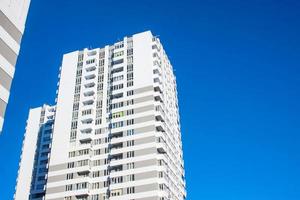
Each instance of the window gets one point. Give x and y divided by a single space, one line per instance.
160 174
69 187
130 177
72 154
130 102
101 62
119 45
130 154
41 178
81 186
130 122
161 186
98 113
96 185
129 52
117 78
70 165
130 83
97 152
130 190
86 112
130 68
70 176
130 165
98 131
45 146
101 54
96 174
118 179
118 114
130 44
130 60
117 105
73 134
76 97
117 54
130 112
99 104
82 163
79 72
117 87
130 143
130 132
96 162
75 106
129 76
83 152
77 89
43 162
90 61
78 81
80 57
117 124
98 121
130 93
116 192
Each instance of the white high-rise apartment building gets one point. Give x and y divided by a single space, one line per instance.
116 133
32 175
13 15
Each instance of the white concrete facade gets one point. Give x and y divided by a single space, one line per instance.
13 15
116 133
33 168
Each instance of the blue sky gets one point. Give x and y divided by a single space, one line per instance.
238 73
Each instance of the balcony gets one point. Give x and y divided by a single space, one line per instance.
89 93
89 85
88 102
115 147
158 96
116 157
87 119
116 135
157 87
89 76
82 193
86 129
90 68
159 113
116 168
161 148
83 171
86 139
160 126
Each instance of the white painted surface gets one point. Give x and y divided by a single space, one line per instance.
142 59
16 11
28 153
62 126
4 94
9 40
6 66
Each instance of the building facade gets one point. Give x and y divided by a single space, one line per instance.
33 168
13 15
116 133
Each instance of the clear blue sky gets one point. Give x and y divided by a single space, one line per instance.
238 71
